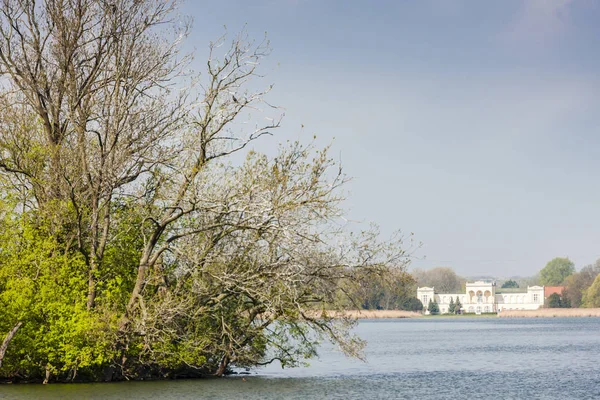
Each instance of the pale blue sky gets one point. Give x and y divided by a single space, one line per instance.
473 124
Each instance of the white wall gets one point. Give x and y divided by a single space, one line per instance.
488 302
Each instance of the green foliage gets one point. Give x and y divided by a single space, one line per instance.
554 301
43 286
556 271
412 304
578 283
457 306
451 306
591 298
510 284
433 307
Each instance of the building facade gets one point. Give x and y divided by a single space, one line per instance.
481 297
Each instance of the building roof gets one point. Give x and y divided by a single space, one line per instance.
548 290
511 290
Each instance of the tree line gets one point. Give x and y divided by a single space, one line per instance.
396 290
581 289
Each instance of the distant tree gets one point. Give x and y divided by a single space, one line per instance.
457 306
451 306
556 271
565 301
412 304
433 308
443 279
383 289
510 284
528 280
578 283
436 307
554 301
591 297
590 272
372 295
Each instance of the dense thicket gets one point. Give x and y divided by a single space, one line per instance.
381 289
510 284
129 246
578 285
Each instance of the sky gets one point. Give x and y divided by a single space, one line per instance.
473 124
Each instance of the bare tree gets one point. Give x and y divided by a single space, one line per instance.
223 99
264 255
443 279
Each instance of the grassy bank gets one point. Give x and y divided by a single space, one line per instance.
551 312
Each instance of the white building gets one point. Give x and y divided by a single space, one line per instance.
481 297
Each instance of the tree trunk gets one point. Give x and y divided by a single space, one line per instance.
93 253
91 282
222 366
7 340
47 378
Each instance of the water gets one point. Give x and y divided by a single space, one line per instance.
434 358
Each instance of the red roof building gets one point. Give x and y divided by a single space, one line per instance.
548 290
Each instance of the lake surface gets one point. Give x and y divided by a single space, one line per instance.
432 358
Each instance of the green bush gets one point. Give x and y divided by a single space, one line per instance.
433 307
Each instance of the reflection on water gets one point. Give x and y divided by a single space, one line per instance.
407 359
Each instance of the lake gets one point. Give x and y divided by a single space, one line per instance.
433 358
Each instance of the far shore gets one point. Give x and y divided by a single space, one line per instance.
381 314
551 313
541 313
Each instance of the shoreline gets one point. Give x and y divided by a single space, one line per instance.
541 313
551 313
380 314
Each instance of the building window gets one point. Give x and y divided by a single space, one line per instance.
425 300
535 298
